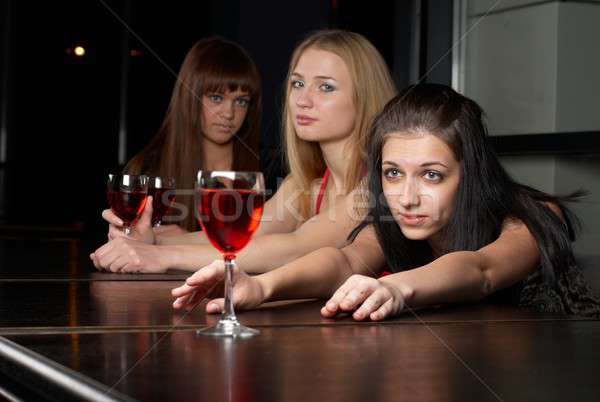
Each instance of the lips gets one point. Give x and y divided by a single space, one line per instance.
412 219
224 127
304 120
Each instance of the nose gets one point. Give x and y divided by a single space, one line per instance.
226 110
304 99
410 196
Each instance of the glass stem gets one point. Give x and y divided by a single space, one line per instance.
127 230
228 312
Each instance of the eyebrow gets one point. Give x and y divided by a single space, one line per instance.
321 77
242 95
426 164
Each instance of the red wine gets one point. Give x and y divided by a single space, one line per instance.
230 217
127 205
160 206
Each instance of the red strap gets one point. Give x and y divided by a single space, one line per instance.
322 191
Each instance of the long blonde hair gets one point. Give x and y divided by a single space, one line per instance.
372 88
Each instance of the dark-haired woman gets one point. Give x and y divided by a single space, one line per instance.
446 219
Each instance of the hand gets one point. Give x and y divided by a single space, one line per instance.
367 297
247 292
142 230
126 255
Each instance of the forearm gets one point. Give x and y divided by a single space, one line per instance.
188 257
262 254
265 253
187 238
316 275
454 277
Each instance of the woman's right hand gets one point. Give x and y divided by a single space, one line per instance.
248 291
142 230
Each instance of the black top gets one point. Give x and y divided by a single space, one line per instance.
571 294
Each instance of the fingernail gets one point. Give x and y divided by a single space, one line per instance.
213 308
331 306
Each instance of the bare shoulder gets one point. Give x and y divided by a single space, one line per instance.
364 253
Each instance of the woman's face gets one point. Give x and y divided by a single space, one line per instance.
420 178
223 114
320 97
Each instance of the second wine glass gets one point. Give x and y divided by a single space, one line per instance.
162 190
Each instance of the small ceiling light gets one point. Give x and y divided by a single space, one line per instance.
79 51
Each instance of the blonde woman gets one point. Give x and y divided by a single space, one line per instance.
337 82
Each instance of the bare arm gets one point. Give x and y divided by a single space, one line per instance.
316 275
321 272
328 229
473 275
454 277
279 216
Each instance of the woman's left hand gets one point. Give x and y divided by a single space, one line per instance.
126 255
367 297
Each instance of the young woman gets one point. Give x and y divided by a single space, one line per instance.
212 123
446 219
328 109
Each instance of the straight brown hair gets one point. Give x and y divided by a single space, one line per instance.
211 65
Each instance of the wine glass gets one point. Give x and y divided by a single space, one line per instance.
230 206
127 196
162 190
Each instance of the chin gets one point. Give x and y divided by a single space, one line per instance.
416 233
306 134
220 139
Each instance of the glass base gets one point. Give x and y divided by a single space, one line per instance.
229 328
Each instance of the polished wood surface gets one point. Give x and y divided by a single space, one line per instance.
112 305
120 334
474 361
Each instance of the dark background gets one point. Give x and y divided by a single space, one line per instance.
61 114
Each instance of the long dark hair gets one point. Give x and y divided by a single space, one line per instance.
211 65
486 194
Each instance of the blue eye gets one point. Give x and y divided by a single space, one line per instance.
432 175
215 98
326 87
297 84
243 102
392 173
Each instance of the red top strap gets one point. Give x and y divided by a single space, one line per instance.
322 191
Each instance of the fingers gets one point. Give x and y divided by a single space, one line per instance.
183 290
211 273
99 256
197 286
367 297
383 311
332 306
111 218
189 301
146 218
215 306
372 304
95 261
348 296
114 255
115 232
